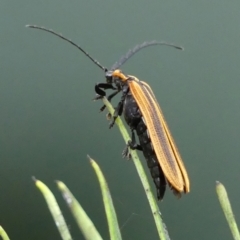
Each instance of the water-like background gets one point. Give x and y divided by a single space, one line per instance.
49 122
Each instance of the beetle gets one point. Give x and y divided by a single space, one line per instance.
144 116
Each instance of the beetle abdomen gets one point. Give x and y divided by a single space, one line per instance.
134 119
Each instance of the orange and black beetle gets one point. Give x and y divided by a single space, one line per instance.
144 116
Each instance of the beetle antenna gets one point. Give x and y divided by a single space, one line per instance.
70 41
137 48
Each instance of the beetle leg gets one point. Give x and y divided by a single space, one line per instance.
99 89
109 98
132 144
118 112
101 93
119 109
126 153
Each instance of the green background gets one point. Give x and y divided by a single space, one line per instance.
49 122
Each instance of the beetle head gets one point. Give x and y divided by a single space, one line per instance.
116 77
109 77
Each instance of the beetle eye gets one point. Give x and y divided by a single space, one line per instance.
109 79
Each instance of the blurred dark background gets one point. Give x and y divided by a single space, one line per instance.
49 123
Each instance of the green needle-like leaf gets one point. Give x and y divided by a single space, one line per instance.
114 230
3 234
227 209
54 209
84 222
